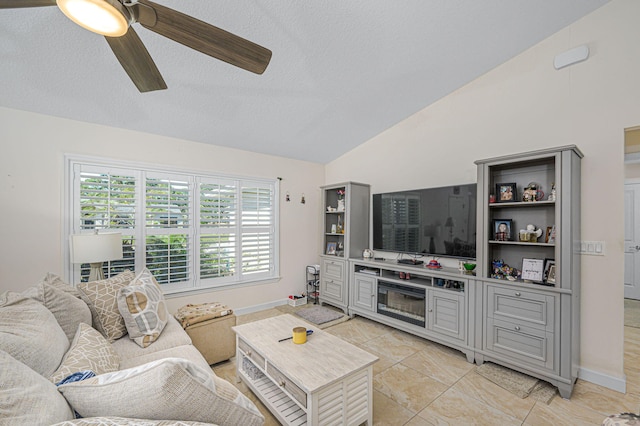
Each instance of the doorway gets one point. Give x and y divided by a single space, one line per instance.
632 239
632 228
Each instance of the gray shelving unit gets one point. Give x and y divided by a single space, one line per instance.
530 326
345 234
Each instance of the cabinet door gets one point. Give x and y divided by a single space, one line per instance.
446 314
364 292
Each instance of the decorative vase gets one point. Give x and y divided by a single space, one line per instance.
341 205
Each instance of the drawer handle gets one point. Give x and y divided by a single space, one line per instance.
249 353
517 327
430 310
518 294
281 383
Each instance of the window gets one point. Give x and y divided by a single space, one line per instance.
192 231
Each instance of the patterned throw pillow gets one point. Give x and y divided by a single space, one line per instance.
89 351
102 298
170 388
143 308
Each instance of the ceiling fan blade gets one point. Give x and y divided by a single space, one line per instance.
136 61
205 38
10 4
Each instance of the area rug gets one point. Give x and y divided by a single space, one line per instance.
319 314
632 313
517 383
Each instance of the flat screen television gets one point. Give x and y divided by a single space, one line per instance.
430 222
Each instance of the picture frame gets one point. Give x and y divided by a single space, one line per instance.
331 248
552 235
547 234
533 269
551 279
548 263
502 229
506 192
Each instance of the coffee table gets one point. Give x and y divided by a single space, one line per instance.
323 381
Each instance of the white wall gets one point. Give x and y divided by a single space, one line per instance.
524 105
32 183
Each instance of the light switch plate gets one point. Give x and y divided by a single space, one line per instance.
592 248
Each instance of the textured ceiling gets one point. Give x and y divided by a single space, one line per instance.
341 72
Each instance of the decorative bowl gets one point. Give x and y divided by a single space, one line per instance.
469 266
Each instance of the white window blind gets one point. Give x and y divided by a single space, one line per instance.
167 219
218 229
191 230
257 229
107 201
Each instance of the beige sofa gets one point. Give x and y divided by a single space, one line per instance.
108 352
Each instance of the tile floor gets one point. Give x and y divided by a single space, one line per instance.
417 382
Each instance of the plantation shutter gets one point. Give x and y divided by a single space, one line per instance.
218 229
257 228
167 225
192 231
107 201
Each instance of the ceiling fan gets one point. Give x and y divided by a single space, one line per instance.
113 19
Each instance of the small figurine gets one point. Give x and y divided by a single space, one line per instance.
531 234
503 271
532 193
552 196
534 233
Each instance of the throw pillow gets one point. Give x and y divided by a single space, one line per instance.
68 310
30 333
143 308
89 351
102 298
57 282
27 398
167 389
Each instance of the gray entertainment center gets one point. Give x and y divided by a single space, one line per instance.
529 322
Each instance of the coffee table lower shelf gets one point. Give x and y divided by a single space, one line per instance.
278 402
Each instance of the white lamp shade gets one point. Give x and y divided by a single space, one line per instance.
91 248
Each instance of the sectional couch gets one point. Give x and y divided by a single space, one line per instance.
106 353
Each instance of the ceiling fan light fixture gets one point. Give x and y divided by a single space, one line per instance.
105 17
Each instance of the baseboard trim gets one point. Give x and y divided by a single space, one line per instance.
613 383
595 377
260 307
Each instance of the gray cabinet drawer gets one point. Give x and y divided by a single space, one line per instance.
333 269
520 342
525 307
286 384
251 353
332 289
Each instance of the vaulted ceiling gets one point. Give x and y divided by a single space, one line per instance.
341 71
